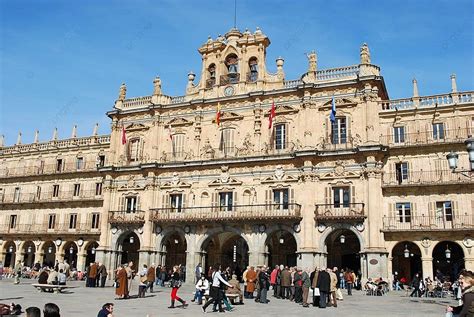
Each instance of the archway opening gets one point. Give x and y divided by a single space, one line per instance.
70 253
10 251
129 246
282 248
343 250
90 253
227 249
448 260
49 250
175 247
406 260
29 251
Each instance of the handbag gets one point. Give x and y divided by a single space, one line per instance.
143 279
316 292
117 284
339 294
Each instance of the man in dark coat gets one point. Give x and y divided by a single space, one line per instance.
285 283
102 274
324 285
314 284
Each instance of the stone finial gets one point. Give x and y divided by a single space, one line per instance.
157 86
191 77
96 130
123 92
2 140
55 134
312 61
74 131
209 40
258 30
36 136
279 62
364 54
454 86
415 88
18 140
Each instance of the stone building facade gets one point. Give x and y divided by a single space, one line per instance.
249 168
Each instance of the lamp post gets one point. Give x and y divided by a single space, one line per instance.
453 158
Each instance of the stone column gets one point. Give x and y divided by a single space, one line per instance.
469 262
427 266
104 243
306 260
81 260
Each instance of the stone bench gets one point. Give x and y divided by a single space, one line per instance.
51 288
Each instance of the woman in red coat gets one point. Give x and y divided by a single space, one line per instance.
121 289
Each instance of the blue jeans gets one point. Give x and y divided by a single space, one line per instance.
158 281
198 295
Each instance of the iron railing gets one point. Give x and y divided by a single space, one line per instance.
45 197
233 78
415 178
342 211
426 138
60 228
428 223
127 217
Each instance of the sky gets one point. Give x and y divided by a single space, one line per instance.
62 62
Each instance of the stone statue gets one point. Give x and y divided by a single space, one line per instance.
207 150
312 61
364 54
157 86
123 92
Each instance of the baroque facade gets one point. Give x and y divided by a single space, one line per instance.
251 168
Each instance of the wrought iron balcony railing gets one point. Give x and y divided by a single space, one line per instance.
49 169
230 79
337 212
46 197
257 212
428 223
127 217
417 178
426 138
337 144
61 228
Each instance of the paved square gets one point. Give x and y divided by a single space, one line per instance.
82 301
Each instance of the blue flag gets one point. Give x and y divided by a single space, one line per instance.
333 110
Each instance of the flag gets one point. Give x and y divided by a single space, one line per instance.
333 110
169 132
124 136
271 116
218 114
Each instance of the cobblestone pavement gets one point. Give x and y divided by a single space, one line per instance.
82 301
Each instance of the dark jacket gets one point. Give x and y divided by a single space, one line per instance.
264 280
467 308
324 281
285 278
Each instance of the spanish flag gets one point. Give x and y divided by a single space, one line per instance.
218 114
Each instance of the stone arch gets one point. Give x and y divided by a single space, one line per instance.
331 229
9 249
28 249
208 235
281 245
131 248
406 266
276 227
118 237
448 266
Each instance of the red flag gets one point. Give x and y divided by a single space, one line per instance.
124 136
218 114
271 116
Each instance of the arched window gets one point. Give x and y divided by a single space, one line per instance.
253 70
233 75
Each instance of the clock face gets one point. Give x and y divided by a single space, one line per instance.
229 91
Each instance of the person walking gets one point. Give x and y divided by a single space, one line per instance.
415 283
18 268
349 278
175 285
264 282
216 293
333 288
121 283
92 274
324 285
151 275
102 272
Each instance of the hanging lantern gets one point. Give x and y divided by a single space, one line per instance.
93 250
71 250
131 240
176 241
10 249
448 253
406 252
342 238
30 249
282 240
50 250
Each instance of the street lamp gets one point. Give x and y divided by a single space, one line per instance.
71 250
448 253
50 250
29 249
342 238
453 158
176 241
282 240
406 252
131 240
10 249
93 250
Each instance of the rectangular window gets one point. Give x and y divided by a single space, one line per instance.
339 131
178 145
226 145
95 220
41 167
280 136
98 189
52 221
134 150
341 197
131 204
79 163
399 134
72 221
38 192
59 165
225 201
438 131
401 171
101 161
13 220
16 195
280 198
444 210
176 202
55 190
404 212
77 190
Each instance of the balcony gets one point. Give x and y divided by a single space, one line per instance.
428 223
63 229
427 101
417 178
345 212
263 212
136 217
328 145
48 197
448 136
229 79
48 169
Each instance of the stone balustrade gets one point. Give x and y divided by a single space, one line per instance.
337 212
416 178
427 101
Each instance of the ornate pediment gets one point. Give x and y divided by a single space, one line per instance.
230 181
133 183
136 127
179 184
339 171
340 103
178 122
229 116
282 110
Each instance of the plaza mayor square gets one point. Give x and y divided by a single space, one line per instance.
179 158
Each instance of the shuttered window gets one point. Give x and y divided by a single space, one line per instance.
399 134
281 198
404 212
339 131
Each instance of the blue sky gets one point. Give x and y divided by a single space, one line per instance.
62 62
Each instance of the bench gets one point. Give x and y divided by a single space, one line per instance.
51 288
